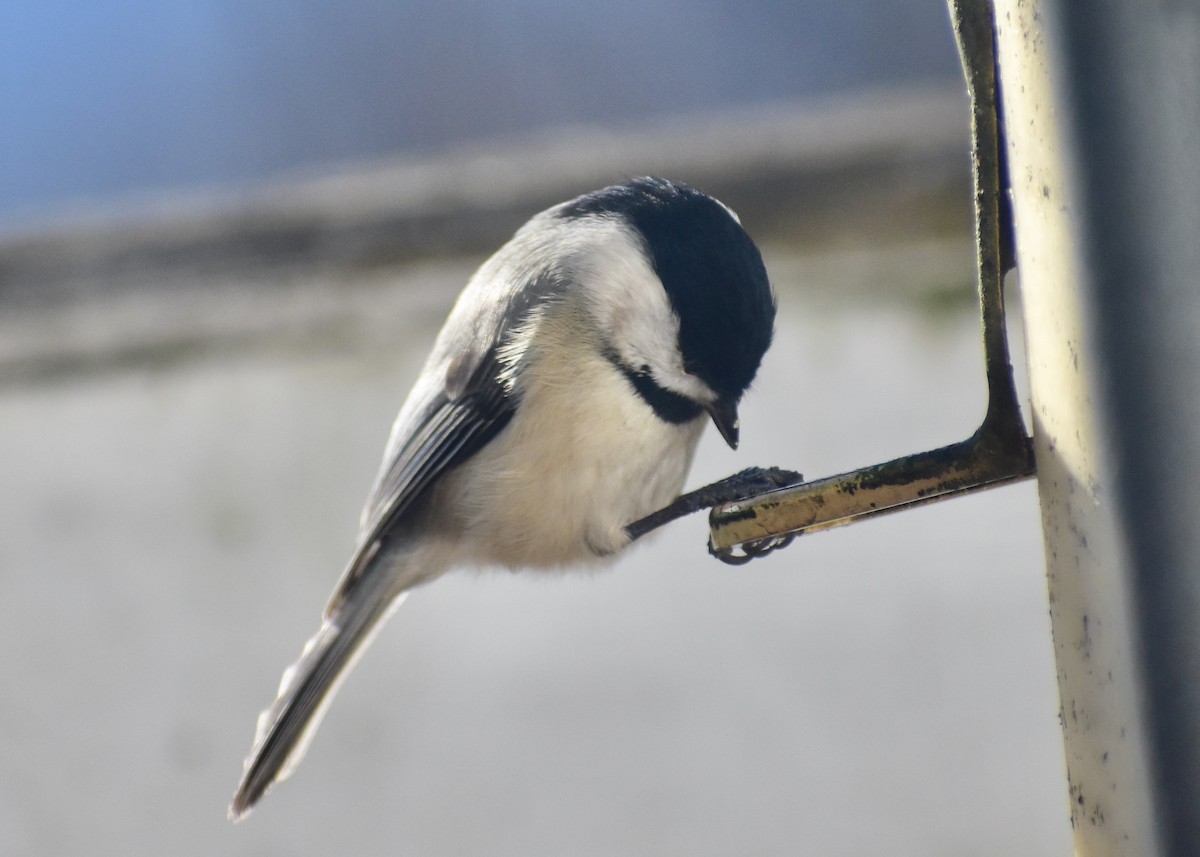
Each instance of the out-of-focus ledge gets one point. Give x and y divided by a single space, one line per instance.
867 195
877 163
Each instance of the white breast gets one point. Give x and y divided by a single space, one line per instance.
582 458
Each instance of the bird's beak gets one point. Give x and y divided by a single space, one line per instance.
725 418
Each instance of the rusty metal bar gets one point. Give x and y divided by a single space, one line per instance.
1000 451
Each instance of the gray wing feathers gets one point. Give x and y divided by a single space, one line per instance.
444 424
451 434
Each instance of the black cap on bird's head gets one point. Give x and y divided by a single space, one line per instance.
714 278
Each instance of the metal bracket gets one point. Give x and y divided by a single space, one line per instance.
999 452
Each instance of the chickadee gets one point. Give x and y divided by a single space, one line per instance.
563 400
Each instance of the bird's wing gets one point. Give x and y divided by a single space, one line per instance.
455 426
467 398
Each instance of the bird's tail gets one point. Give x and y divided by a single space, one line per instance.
309 685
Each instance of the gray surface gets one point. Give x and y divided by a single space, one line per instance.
171 534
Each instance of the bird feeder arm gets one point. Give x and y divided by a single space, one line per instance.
999 452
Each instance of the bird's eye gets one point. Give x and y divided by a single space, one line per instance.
645 369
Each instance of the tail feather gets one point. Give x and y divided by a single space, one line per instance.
285 729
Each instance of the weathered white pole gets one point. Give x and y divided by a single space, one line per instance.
1091 131
1098 682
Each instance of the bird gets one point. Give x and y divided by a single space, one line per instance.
563 399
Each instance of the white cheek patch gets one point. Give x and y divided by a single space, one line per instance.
630 305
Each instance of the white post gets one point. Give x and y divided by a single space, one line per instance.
1099 681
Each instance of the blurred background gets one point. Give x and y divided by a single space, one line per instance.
132 96
228 234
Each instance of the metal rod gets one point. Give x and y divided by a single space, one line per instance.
1000 451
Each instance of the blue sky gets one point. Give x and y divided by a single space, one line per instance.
114 97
